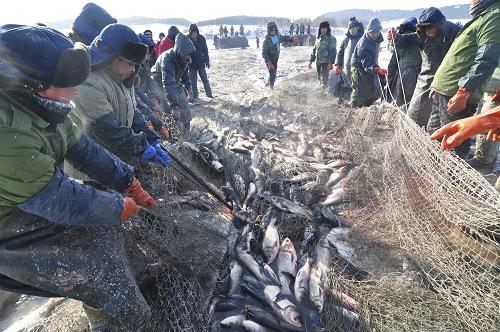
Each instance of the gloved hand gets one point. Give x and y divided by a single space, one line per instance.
494 135
176 113
458 102
330 66
164 133
338 69
156 122
149 154
270 65
496 96
208 65
309 66
139 195
150 125
453 134
129 208
432 94
161 156
379 71
392 34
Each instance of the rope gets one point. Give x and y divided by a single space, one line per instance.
400 76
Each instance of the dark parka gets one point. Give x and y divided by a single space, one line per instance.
325 48
366 84
345 52
270 51
432 50
199 58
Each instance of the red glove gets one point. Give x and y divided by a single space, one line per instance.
129 209
379 71
330 66
139 195
338 69
496 96
270 65
392 35
458 102
164 133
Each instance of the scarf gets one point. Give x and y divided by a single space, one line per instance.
54 112
276 41
479 8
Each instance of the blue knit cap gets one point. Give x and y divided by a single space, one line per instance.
91 21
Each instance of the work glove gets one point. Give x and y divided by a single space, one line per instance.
130 208
432 94
392 35
338 69
176 113
208 65
379 71
156 122
161 156
496 96
139 195
453 134
270 65
164 133
330 66
458 102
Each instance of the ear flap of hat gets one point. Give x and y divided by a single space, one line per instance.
72 67
134 52
13 79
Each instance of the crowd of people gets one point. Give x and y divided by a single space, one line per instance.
223 32
121 83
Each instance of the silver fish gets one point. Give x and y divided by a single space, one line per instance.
251 264
318 153
336 197
292 207
259 180
301 287
252 190
239 149
256 157
321 167
303 146
287 258
282 306
267 145
232 321
336 176
316 287
239 185
285 280
271 244
337 163
235 277
251 326
302 177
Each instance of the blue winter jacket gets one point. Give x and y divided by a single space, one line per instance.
365 54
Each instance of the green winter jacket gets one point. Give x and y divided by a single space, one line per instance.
272 52
407 57
30 153
472 57
325 50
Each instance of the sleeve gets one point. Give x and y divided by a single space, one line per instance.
366 58
124 141
265 50
169 82
313 55
99 164
333 50
205 51
32 182
186 80
66 201
139 126
407 40
340 54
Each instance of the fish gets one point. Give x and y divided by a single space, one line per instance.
225 307
259 180
239 149
252 190
321 167
302 177
242 218
253 288
267 145
316 287
235 275
344 299
271 242
218 142
301 286
254 268
287 258
271 273
310 159
289 206
336 176
191 146
232 196
210 158
303 146
285 280
337 196
216 326
337 163
328 216
264 318
251 326
244 144
256 157
233 321
239 185
318 153
282 306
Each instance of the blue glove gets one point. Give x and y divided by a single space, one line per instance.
149 154
161 155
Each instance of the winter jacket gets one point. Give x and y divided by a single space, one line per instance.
146 90
348 44
365 55
472 57
165 45
106 111
200 57
31 174
408 57
271 52
173 74
325 49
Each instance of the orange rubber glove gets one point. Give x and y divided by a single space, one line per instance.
270 65
330 66
140 195
338 69
458 102
164 133
453 134
496 96
379 71
129 209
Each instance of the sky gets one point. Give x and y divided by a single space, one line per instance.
33 11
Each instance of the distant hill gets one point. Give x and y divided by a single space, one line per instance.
134 20
246 20
340 18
